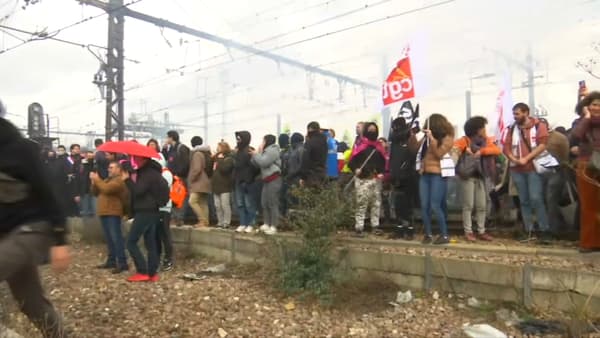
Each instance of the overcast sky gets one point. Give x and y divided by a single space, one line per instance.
453 42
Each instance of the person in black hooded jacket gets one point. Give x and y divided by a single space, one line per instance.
145 194
246 185
31 223
403 153
314 159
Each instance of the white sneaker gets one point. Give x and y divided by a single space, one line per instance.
241 228
271 231
264 228
249 229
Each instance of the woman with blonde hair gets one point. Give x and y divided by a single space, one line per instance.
433 185
222 183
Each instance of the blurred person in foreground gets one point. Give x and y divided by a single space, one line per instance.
31 224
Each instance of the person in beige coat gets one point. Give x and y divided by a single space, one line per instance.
199 185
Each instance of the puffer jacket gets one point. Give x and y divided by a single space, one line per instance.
268 161
198 180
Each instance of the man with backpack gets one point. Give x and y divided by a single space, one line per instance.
177 156
201 169
150 192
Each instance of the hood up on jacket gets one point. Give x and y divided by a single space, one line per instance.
203 148
243 139
297 138
284 141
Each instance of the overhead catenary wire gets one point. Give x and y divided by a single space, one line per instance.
320 36
84 20
14 36
43 35
305 27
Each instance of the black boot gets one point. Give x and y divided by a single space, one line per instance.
409 233
399 231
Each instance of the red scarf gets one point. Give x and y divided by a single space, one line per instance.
366 143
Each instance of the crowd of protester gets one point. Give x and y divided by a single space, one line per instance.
552 176
544 170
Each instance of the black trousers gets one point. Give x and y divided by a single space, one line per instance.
21 252
163 236
404 193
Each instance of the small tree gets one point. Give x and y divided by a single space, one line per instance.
287 129
307 268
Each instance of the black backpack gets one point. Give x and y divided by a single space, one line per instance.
163 192
402 163
208 164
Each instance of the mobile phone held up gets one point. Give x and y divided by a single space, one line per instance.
582 90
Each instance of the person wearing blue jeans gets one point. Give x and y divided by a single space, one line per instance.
246 185
150 193
111 225
144 224
247 205
88 205
531 194
432 192
525 142
112 201
433 185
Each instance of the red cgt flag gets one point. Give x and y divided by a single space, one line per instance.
399 85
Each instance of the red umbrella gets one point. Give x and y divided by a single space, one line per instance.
129 148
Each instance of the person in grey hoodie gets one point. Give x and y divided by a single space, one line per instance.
268 159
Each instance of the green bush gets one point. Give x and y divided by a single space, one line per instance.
307 268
